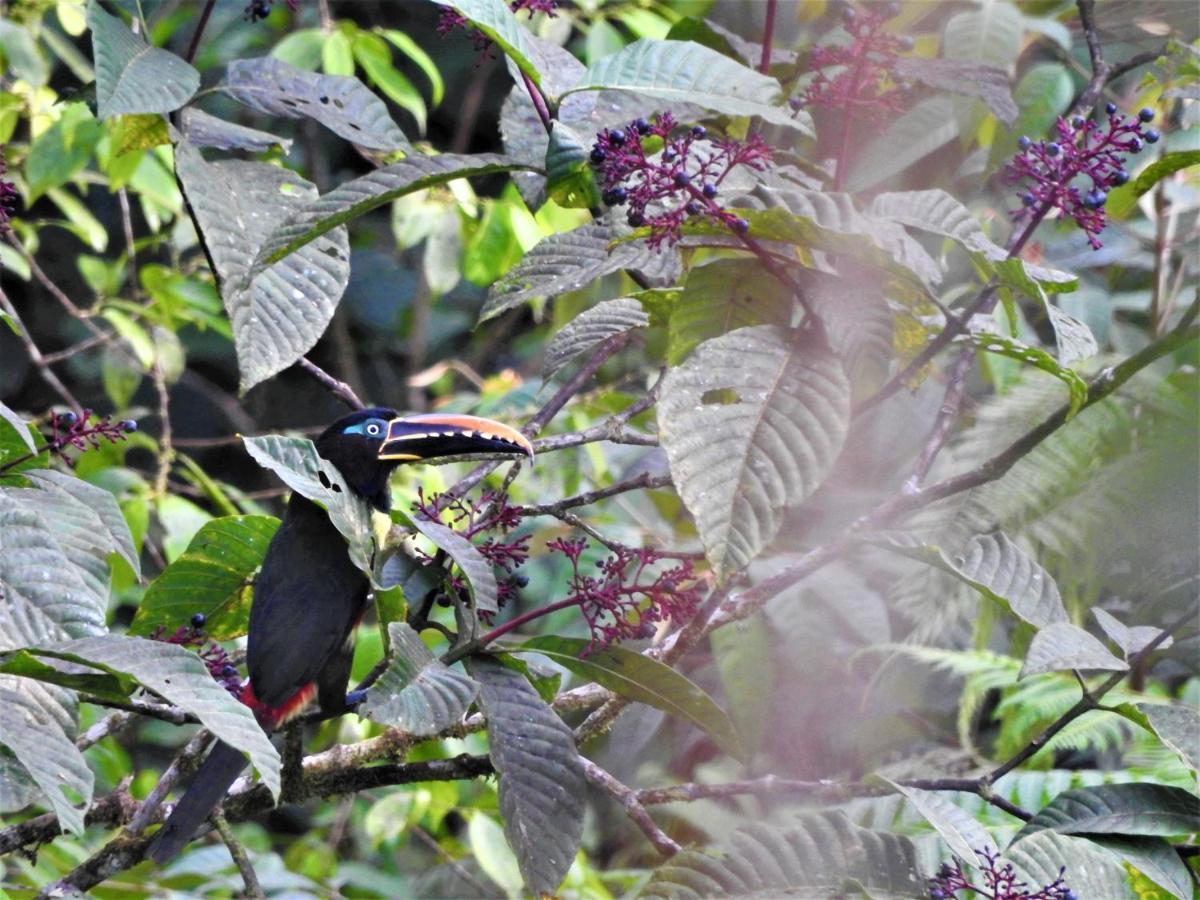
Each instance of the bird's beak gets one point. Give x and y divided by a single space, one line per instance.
433 435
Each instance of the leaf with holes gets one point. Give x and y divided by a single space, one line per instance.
300 467
812 855
1000 570
751 423
278 312
1036 357
591 328
49 757
687 72
417 693
478 571
132 76
1061 646
571 260
1134 808
640 678
542 787
342 104
348 201
180 677
214 577
203 130
721 297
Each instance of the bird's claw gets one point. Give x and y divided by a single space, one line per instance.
355 698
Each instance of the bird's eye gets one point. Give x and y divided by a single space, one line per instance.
374 429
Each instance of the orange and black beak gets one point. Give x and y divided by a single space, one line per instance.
433 435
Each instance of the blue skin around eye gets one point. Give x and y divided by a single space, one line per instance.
361 428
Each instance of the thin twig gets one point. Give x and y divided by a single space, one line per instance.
194 44
39 361
166 453
339 389
632 805
240 858
181 765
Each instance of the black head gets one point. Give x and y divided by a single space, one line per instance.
368 444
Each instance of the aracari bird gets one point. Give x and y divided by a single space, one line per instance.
309 595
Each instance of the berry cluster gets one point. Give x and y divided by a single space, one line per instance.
471 518
682 182
624 600
84 432
8 196
219 664
863 69
1084 149
451 19
999 882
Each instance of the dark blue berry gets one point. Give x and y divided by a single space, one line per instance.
1152 136
1028 199
669 154
614 196
1110 108
709 190
1146 114
693 208
1077 121
598 155
937 894
682 179
198 620
1135 145
1024 142
636 219
1119 177
616 136
229 670
129 425
1069 895
1053 149
741 226
521 580
642 126
699 131
1095 199
68 419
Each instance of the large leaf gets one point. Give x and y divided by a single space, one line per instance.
353 198
988 83
990 35
814 855
417 693
1000 570
496 20
751 423
109 531
1155 858
48 755
723 296
913 136
642 679
1090 872
300 467
590 328
1002 345
214 576
962 834
1135 809
1061 646
481 579
132 76
687 72
1177 725
342 104
568 261
278 312
203 130
1123 199
542 785
1130 640
180 677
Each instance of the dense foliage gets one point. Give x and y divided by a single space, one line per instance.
858 346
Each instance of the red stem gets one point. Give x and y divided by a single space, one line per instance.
513 624
539 102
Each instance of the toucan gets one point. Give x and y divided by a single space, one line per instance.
309 595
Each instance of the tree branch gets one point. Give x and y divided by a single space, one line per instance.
339 389
632 805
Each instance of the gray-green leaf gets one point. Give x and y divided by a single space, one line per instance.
478 571
590 328
203 130
1091 872
1134 808
962 834
751 423
132 76
1061 646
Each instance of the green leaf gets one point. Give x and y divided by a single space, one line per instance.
49 756
745 662
542 787
1091 872
373 55
1036 357
214 576
180 677
203 130
21 427
1122 200
281 310
300 467
686 72
990 35
963 76
342 104
361 195
417 693
109 531
962 834
478 571
102 685
915 134
1177 725
132 76
751 423
1000 570
723 296
817 854
591 328
1134 808
495 19
571 260
61 150
1155 858
137 132
424 62
22 57
1061 646
640 678
1042 94
570 181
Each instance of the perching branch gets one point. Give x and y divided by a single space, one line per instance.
632 805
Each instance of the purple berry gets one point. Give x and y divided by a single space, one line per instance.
598 155
890 10
1119 178
709 190
849 15
1024 142
669 154
614 196
1028 199
1110 108
699 131
636 219
1077 121
641 126
1152 136
129 425
741 226
198 620
1095 199
520 579
682 179
616 136
1053 149
68 419
1135 145
229 670
1146 114
905 42
693 208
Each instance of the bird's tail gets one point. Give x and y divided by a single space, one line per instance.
207 789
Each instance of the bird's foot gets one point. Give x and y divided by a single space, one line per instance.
355 698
